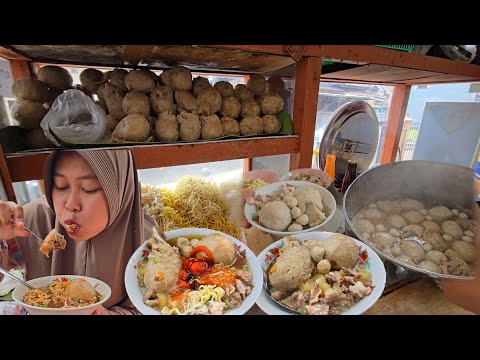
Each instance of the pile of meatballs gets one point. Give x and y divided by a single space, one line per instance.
142 106
291 209
435 239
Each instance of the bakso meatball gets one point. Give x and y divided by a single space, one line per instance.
222 249
465 251
383 239
293 267
387 206
230 126
440 213
413 217
410 204
224 88
413 250
200 83
323 266
410 230
372 214
406 260
436 257
271 124
80 289
430 225
231 107
435 239
341 251
452 228
243 93
317 253
275 215
211 127
396 222
190 126
251 125
364 226
429 266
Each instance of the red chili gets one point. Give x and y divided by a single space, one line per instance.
198 268
205 250
184 275
183 284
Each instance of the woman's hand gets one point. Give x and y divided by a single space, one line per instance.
102 311
11 212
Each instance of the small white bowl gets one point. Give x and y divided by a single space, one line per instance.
135 292
327 199
20 291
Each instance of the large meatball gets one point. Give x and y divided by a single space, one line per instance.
364 226
190 126
134 127
293 267
251 125
200 83
80 289
166 128
413 217
430 225
30 89
271 104
436 257
28 113
161 99
413 250
275 215
395 222
271 124
452 228
410 204
230 126
177 78
136 102
140 80
372 214
250 108
209 101
163 268
341 251
243 93
55 77
465 251
91 79
231 107
36 139
258 85
224 88
435 239
117 78
383 239
222 249
185 100
440 213
429 266
388 206
211 127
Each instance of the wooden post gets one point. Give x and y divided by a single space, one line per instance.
396 116
7 181
307 82
20 69
247 165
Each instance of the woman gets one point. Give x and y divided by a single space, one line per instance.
97 190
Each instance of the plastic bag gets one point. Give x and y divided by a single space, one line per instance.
74 118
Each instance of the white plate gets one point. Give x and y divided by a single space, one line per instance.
101 287
375 266
327 199
135 292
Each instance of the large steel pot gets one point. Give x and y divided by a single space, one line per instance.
427 181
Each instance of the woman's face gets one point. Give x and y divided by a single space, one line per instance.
78 198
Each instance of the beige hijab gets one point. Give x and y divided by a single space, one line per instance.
105 256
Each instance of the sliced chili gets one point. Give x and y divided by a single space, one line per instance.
205 250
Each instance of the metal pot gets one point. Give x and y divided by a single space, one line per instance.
430 182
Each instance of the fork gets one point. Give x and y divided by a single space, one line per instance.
30 231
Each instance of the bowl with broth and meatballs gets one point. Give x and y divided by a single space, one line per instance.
320 273
62 295
290 207
193 271
416 214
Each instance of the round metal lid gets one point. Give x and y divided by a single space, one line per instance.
351 133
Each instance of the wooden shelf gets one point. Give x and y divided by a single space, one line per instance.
196 58
154 155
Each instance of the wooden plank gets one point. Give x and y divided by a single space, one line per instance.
6 179
440 78
262 49
396 115
20 69
382 56
29 166
307 82
11 55
421 297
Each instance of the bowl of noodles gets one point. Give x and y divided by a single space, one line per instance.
62 295
194 271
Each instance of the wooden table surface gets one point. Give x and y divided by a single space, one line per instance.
417 297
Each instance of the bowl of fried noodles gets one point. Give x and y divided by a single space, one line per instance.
62 295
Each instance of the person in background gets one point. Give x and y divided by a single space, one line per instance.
466 293
99 191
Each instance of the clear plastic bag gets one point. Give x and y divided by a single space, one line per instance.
74 118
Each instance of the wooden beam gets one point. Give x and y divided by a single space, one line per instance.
7 181
382 56
11 55
20 69
396 115
29 166
261 49
307 82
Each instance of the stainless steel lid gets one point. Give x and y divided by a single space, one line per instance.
351 133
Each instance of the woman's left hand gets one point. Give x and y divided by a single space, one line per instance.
102 311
